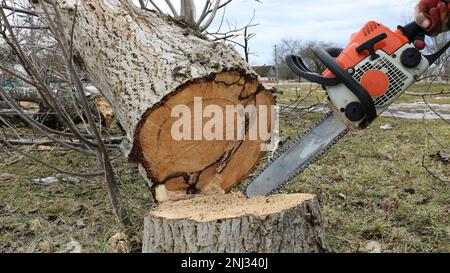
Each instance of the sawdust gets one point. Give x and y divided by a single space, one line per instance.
228 206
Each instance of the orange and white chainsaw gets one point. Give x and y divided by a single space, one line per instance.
361 81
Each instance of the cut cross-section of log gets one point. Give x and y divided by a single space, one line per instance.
232 223
199 164
146 65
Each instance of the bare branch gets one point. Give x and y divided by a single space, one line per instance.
208 11
188 11
19 10
28 142
38 126
430 173
40 83
211 17
434 111
144 6
204 12
102 153
172 8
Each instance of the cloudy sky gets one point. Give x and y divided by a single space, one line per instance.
324 20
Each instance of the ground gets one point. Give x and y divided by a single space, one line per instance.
372 186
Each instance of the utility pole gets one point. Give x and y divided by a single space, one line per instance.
276 55
246 49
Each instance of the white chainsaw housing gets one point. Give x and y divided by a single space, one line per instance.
400 79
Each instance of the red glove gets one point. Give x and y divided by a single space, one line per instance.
433 16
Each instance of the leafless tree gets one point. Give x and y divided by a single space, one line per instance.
301 48
45 64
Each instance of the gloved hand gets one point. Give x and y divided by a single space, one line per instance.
433 16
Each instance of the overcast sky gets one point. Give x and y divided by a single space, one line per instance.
324 20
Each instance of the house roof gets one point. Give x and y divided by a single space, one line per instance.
264 70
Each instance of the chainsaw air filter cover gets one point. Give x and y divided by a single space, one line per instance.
383 78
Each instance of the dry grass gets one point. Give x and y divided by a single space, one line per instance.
37 218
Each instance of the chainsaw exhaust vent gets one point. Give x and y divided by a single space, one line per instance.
370 27
396 77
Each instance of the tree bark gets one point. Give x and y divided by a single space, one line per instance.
233 224
147 64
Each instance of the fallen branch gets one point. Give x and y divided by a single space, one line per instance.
28 142
434 111
5 142
430 173
443 92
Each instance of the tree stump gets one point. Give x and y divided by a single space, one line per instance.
232 223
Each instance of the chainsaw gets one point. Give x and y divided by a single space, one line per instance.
361 81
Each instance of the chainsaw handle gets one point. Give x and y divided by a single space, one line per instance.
414 32
296 64
334 51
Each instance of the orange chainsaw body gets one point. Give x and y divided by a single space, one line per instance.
375 82
350 57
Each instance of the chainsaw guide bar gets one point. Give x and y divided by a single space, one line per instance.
307 149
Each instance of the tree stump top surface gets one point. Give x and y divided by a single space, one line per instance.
228 206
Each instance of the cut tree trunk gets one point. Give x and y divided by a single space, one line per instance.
234 224
146 65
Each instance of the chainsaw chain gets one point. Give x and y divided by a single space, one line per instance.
307 163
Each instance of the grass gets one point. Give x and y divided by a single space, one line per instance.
37 218
372 187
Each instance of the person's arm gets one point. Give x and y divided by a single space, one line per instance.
433 16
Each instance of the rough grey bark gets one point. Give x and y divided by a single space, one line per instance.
297 229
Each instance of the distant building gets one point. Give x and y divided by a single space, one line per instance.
268 73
